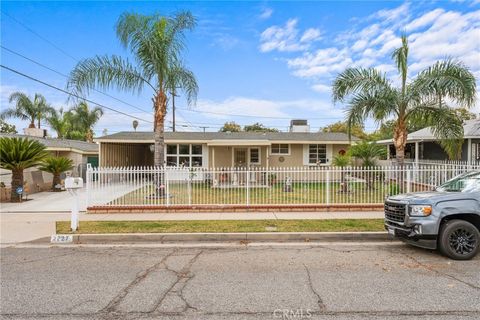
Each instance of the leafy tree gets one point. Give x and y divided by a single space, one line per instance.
27 109
17 154
342 126
7 128
367 152
83 119
368 93
60 122
56 166
156 43
258 127
464 114
230 127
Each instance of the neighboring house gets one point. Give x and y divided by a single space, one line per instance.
423 145
224 149
80 152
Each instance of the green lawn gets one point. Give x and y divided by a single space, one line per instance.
302 193
333 225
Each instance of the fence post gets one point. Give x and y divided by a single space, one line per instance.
87 183
167 188
409 180
248 185
327 188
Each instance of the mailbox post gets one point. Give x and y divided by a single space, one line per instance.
72 185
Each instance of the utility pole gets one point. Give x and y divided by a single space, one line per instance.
204 129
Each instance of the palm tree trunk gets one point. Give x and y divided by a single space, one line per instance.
55 181
17 181
400 141
160 105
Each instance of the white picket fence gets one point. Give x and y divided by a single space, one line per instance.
156 186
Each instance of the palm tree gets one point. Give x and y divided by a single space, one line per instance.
342 161
422 99
27 109
83 119
59 122
17 154
156 42
367 152
56 166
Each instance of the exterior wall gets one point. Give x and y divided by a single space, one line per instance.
125 154
294 159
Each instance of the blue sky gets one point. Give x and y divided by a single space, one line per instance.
269 61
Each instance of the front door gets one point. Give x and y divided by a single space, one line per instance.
240 157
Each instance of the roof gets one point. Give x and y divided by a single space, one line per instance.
60 144
471 130
132 136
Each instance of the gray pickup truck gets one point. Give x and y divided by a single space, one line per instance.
447 218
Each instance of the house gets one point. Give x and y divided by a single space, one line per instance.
299 147
423 145
80 152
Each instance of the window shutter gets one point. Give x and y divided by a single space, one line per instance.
205 155
329 153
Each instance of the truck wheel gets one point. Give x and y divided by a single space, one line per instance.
459 240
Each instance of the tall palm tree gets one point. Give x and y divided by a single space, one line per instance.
83 119
27 109
59 122
156 42
422 99
18 154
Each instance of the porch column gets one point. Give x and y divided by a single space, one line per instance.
469 150
417 151
213 157
388 152
266 156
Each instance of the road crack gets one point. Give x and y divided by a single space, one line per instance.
320 303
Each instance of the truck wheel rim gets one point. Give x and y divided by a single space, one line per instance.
462 241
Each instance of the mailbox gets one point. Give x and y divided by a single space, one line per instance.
73 183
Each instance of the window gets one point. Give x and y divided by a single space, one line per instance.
255 156
280 148
317 154
184 155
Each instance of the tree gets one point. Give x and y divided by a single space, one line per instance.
230 127
59 121
367 152
258 127
135 124
156 43
342 161
368 93
56 166
464 114
83 119
7 128
342 126
17 154
27 109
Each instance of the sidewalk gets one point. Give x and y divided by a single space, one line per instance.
24 226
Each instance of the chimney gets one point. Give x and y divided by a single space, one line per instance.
35 132
299 126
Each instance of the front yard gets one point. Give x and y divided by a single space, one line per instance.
299 193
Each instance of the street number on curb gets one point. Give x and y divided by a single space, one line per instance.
61 238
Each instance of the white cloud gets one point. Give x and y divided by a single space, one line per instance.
322 88
424 20
266 13
286 38
311 34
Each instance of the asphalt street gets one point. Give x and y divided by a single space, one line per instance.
331 281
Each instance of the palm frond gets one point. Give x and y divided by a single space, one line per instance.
106 72
20 153
354 80
400 56
447 79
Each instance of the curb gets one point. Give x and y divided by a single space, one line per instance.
126 238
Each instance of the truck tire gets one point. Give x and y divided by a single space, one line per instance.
459 240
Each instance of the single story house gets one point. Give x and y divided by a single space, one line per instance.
80 152
224 149
423 145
